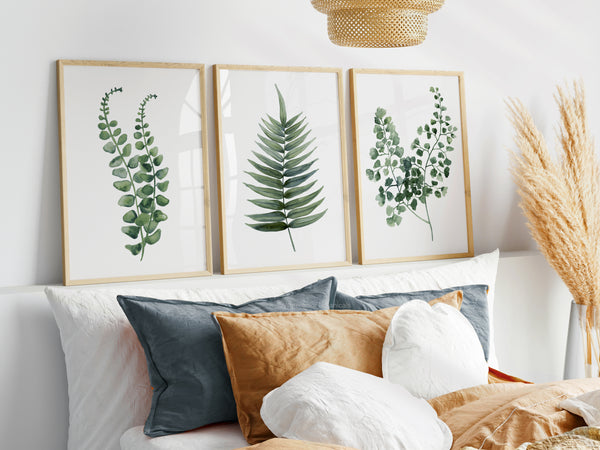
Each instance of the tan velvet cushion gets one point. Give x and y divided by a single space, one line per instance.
265 350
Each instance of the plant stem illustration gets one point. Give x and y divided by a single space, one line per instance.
139 177
283 174
410 178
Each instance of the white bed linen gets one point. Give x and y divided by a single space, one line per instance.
222 436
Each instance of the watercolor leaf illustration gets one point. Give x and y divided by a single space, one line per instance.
140 178
408 179
284 175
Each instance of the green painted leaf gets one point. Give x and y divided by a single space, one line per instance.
161 200
291 122
158 160
269 162
162 187
154 151
291 136
296 181
266 170
270 144
127 200
143 158
298 170
305 221
159 216
296 191
150 141
272 136
160 174
121 172
109 147
296 152
303 201
137 135
304 211
102 125
265 192
126 150
153 238
297 142
131 231
122 139
113 123
133 162
104 135
129 216
151 226
291 163
274 128
267 181
146 177
134 249
145 191
117 132
116 161
147 205
292 132
276 155
282 111
268 217
268 204
139 145
137 177
123 185
142 219
273 226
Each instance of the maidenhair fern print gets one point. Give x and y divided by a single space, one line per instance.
285 174
141 178
407 179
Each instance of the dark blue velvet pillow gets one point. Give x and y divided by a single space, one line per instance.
184 352
474 306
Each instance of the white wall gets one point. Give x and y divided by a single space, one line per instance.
506 48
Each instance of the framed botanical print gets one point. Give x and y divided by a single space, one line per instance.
134 171
282 168
411 165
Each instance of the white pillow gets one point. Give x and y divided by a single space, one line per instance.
479 270
331 404
108 385
585 405
432 350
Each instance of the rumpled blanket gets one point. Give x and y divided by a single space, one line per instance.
504 415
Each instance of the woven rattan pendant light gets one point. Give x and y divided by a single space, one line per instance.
377 23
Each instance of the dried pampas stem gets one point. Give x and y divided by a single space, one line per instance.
561 200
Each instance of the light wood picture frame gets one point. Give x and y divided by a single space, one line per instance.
411 165
281 155
134 171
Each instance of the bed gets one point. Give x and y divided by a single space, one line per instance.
110 391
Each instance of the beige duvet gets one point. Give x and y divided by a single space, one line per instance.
494 416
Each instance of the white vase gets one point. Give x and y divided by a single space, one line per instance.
583 342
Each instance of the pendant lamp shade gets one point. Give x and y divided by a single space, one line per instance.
378 23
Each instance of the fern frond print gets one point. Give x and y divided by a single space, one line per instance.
139 177
284 176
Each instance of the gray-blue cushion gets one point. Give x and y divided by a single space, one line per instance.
474 306
184 352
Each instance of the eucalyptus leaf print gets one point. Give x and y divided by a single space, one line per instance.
408 179
284 175
141 177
